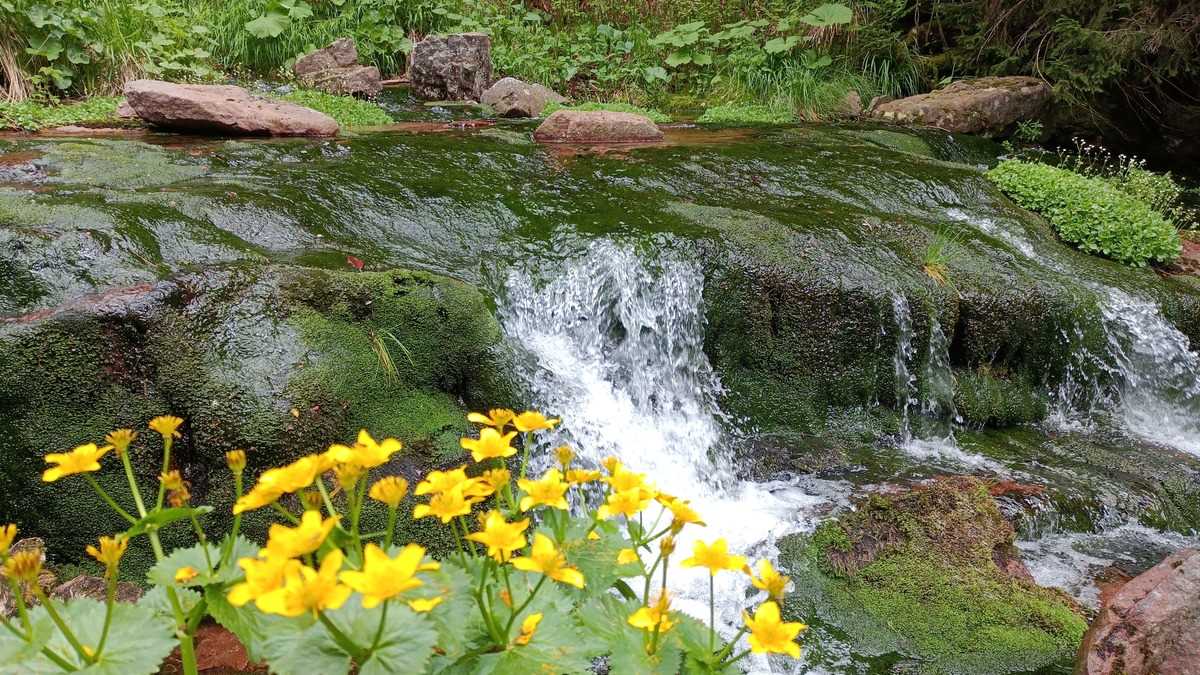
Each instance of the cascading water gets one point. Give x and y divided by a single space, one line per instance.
906 380
615 347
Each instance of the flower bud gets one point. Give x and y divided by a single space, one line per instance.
668 545
389 490
236 460
185 574
110 552
311 500
564 455
24 565
347 475
171 480
120 440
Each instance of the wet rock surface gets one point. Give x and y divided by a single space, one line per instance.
600 126
452 67
1151 625
222 109
985 105
510 97
335 69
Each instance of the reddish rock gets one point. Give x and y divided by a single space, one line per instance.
87 586
126 111
602 126
988 105
335 69
223 109
1151 626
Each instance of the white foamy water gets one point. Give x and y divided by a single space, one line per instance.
616 349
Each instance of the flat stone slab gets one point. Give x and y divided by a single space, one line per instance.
600 126
984 105
222 109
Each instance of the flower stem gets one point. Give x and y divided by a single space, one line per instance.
166 466
227 550
339 637
110 598
739 657
62 625
50 653
391 527
712 613
133 484
729 647
187 647
517 612
109 500
379 631
203 543
524 453
285 513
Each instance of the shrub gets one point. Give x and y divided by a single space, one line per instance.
1089 212
741 113
349 112
656 116
533 586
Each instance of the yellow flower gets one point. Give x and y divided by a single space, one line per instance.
610 463
120 440
564 455
166 425
293 542
236 460
445 505
496 417
171 480
654 616
421 605
24 565
82 459
263 575
390 490
274 483
528 628
546 559
500 536
110 551
531 420
347 475
382 577
593 536
490 444
442 481
715 557
581 476
627 556
308 590
495 479
769 580
549 490
667 545
628 503
770 634
365 453
185 574
622 479
7 534
255 499
682 513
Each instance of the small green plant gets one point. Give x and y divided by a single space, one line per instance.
654 115
35 115
743 113
938 255
1029 131
1090 212
349 112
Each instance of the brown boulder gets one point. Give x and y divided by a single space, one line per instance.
451 67
511 97
987 105
223 109
335 69
340 53
87 586
1151 626
601 126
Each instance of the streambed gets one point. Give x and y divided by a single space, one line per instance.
744 314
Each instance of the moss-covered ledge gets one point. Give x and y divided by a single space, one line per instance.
278 360
931 573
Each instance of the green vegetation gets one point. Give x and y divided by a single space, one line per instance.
741 113
347 110
656 116
1090 212
34 115
985 400
936 260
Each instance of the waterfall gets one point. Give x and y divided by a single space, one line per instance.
615 347
906 380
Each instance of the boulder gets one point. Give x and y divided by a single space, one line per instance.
852 105
335 69
125 111
511 97
451 67
600 126
88 586
1151 626
987 105
222 109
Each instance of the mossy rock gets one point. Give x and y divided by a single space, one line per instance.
984 399
277 360
931 573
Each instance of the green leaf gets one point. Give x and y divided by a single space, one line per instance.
607 618
163 572
597 558
702 58
407 642
138 640
300 647
78 56
269 25
678 58
777 45
559 645
831 14
164 517
301 10
655 73
156 600
456 619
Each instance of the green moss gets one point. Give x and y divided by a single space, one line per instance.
32 116
983 399
654 115
118 164
748 114
349 112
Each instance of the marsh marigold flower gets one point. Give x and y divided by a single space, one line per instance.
495 479
7 534
366 453
769 634
110 552
82 459
528 628
628 503
308 590
627 556
496 417
390 490
491 444
24 565
347 475
171 480
549 490
581 476
421 605
769 580
545 559
382 577
656 616
682 513
293 542
442 481
622 479
274 483
445 506
565 455
166 425
714 557
236 460
531 420
500 536
185 574
120 440
263 575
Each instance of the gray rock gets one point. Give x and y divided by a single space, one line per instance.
602 126
878 101
335 69
451 67
511 97
341 53
87 586
222 109
987 105
851 105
